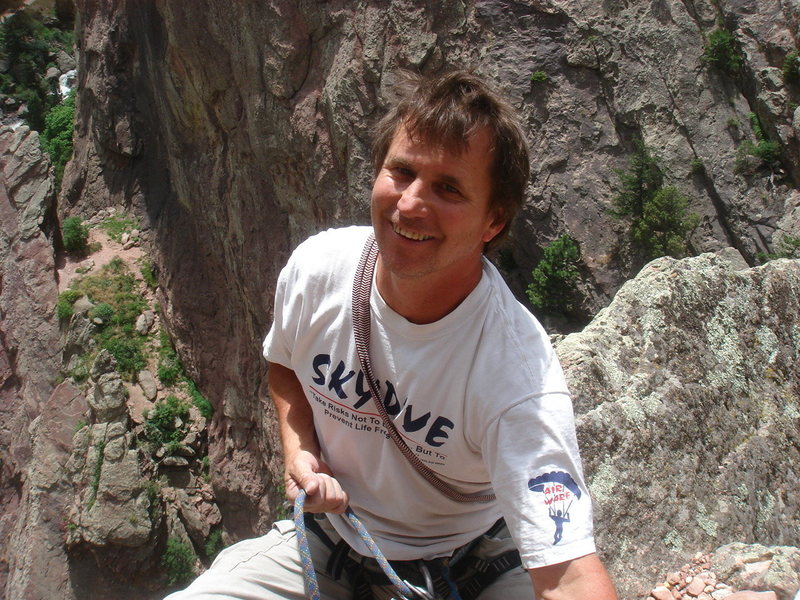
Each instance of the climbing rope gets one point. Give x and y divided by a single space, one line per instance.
310 576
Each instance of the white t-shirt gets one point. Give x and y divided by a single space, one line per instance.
478 395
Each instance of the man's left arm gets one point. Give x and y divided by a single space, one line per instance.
575 579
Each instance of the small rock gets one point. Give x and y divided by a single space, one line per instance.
661 593
696 587
130 244
125 238
175 461
148 384
145 322
750 595
721 593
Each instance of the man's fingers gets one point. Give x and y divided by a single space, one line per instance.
324 493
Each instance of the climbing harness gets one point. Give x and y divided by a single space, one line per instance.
310 577
463 576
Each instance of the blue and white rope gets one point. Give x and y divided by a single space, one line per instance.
310 576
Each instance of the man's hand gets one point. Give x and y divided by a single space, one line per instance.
576 579
301 449
323 491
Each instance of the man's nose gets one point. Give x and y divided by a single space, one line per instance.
414 199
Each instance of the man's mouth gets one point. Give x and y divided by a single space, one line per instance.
411 235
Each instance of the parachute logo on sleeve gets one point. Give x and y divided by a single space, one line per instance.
560 491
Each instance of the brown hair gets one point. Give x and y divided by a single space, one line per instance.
446 110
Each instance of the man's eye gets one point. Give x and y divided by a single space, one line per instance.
450 189
403 171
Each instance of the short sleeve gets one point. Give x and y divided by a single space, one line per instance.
532 455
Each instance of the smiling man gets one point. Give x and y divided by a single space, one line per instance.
486 499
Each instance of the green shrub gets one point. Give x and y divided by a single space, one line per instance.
791 68
552 287
148 272
639 183
170 369
539 77
26 45
128 354
660 222
178 561
203 405
102 311
159 425
787 247
56 138
665 224
213 544
766 151
64 303
722 51
75 235
116 226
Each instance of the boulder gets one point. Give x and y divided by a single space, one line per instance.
688 410
765 568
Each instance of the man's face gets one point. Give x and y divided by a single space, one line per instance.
430 208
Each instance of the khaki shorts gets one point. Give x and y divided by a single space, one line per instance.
268 568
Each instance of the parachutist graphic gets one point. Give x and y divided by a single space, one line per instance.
560 490
560 520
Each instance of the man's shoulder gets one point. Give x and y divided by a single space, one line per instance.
341 241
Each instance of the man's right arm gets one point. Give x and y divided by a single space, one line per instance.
303 467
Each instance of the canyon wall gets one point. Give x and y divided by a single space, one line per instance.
235 129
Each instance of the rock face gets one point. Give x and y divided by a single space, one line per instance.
688 397
236 129
32 440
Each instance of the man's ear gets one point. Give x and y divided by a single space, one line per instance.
496 225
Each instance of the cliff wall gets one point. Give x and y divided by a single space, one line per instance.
235 129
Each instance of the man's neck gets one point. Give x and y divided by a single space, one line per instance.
424 300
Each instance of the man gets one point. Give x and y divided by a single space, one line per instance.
465 373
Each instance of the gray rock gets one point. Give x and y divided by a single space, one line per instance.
687 383
109 399
174 462
104 364
144 322
148 384
82 305
757 567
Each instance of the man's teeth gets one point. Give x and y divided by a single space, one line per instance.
417 237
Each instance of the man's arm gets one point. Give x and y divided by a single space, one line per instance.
303 467
576 579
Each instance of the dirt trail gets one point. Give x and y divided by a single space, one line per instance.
108 250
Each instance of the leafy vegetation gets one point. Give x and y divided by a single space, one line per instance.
64 303
203 405
75 235
787 247
163 424
791 67
660 221
723 52
115 287
170 369
118 225
27 42
766 151
56 138
552 288
539 77
148 272
178 561
100 449
665 224
213 544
